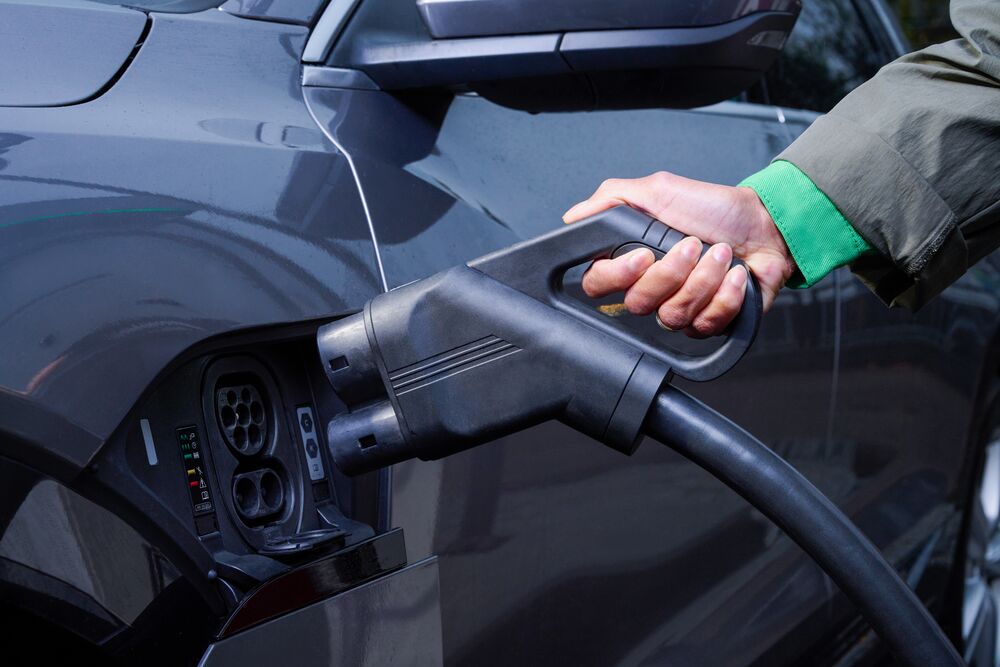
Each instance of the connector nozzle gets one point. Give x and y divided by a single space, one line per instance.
349 361
366 439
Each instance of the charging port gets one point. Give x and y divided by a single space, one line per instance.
258 495
242 418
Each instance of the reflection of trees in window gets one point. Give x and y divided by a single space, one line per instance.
828 54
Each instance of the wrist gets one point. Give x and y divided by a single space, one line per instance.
765 235
815 232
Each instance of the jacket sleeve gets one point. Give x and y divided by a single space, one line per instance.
912 159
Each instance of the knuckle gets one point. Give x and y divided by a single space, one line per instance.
705 282
639 303
661 178
707 325
722 254
703 328
684 300
608 184
671 272
683 256
673 317
730 302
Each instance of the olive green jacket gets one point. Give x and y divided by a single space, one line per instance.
912 160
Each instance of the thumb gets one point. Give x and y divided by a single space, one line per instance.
590 207
644 194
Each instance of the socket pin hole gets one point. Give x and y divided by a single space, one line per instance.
271 490
242 417
254 436
367 441
338 363
247 496
240 438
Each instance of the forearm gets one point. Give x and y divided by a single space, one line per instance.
910 159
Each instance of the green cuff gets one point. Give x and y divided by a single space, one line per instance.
818 236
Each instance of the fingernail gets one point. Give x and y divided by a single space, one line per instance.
639 259
738 277
691 247
721 253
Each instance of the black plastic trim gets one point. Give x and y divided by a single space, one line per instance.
450 62
310 583
471 18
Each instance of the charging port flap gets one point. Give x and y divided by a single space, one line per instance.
378 609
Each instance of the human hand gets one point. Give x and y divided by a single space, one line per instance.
702 296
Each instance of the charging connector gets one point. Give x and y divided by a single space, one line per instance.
487 349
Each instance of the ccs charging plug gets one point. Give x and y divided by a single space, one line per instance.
495 346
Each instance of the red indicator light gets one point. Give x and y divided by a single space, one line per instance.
193 484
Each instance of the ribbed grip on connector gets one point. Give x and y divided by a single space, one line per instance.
462 360
487 349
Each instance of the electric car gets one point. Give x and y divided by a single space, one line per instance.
190 188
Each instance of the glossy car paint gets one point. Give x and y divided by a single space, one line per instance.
198 195
302 12
55 54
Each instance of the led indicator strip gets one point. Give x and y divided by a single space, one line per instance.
190 447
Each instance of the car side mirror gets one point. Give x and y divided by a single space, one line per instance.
569 55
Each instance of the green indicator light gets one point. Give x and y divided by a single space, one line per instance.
187 456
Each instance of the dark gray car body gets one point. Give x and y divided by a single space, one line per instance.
203 194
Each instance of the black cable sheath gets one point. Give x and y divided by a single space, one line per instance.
807 516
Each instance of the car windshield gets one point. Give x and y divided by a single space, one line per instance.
178 6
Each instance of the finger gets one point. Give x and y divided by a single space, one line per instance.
771 276
648 194
724 306
607 276
679 310
664 278
590 207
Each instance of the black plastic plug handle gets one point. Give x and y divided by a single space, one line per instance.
489 348
537 267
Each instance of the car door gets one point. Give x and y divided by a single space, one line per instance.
552 548
910 386
188 198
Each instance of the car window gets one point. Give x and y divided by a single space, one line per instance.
830 52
